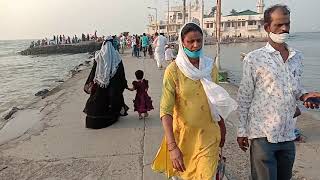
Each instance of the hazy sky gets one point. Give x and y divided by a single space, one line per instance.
34 19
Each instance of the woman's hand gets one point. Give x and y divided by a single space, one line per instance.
223 132
176 156
177 159
130 89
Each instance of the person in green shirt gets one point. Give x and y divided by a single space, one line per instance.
145 43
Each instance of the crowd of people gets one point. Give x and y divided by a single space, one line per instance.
63 39
193 106
155 46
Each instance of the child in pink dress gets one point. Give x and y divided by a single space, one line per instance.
142 101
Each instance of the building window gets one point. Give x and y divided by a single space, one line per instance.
233 24
250 23
228 24
243 23
174 17
210 25
179 15
207 25
239 24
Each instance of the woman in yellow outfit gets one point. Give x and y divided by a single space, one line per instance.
194 130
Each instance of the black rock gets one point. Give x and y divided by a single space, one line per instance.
11 112
42 92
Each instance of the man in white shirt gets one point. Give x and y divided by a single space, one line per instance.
268 94
134 45
122 43
159 44
169 56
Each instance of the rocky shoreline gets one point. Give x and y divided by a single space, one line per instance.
91 46
83 47
5 117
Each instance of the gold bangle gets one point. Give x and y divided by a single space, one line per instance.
171 143
174 147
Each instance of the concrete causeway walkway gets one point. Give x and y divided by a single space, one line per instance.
59 147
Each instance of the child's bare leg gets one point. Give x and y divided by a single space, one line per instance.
140 116
146 114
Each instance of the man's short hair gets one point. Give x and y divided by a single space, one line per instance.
270 10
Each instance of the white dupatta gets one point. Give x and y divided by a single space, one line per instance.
220 102
108 60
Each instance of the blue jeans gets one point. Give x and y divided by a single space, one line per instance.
134 50
271 161
137 50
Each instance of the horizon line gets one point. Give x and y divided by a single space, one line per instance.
318 31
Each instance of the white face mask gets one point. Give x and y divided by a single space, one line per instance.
279 38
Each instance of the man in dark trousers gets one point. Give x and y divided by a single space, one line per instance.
268 94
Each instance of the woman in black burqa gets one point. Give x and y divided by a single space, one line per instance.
105 85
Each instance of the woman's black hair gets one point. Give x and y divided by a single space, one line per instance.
139 74
189 28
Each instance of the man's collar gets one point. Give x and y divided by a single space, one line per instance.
270 49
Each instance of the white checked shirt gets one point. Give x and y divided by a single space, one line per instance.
268 94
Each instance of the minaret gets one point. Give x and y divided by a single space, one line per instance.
260 6
201 13
189 12
197 4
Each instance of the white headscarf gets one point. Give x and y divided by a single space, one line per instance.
219 99
108 60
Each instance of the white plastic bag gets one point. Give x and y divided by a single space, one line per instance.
219 99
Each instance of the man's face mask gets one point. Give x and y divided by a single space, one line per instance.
279 38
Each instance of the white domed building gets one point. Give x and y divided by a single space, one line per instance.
243 24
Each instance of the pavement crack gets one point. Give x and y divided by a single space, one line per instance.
143 151
39 169
87 157
104 171
3 168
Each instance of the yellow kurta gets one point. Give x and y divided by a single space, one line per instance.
196 134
